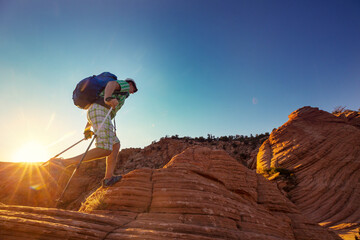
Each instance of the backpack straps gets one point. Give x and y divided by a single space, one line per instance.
101 101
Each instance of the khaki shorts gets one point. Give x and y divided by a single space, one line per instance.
106 137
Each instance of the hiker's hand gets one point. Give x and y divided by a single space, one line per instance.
113 103
88 133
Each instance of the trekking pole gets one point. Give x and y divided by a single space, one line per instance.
59 200
65 150
69 148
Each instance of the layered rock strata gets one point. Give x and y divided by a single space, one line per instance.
322 152
201 194
31 184
34 223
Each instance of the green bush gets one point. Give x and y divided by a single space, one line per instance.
282 171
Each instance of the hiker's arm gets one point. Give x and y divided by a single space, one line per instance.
109 90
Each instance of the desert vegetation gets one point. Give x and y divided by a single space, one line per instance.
286 176
342 109
247 140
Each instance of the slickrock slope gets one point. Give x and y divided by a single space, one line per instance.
350 117
323 152
27 184
30 184
29 223
158 154
201 194
33 185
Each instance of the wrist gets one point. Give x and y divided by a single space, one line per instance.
108 99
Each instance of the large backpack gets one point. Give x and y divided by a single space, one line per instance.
87 91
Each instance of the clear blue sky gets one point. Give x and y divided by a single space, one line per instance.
202 66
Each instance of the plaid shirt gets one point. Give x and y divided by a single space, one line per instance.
124 87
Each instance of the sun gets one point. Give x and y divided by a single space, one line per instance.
31 152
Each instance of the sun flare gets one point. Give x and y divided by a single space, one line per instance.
31 152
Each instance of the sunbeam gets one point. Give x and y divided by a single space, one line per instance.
52 117
67 135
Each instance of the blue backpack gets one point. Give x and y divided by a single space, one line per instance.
87 91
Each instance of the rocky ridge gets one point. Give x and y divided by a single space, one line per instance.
321 154
39 186
200 194
158 154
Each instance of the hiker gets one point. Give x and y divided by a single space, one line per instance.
106 142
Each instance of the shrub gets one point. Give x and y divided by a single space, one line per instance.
339 109
95 202
282 171
224 138
244 156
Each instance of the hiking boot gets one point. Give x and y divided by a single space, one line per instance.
110 181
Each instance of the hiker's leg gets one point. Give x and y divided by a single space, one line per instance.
96 115
92 154
111 161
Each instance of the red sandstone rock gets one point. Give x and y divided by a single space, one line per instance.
160 153
350 117
30 223
30 184
202 194
323 151
199 194
39 186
